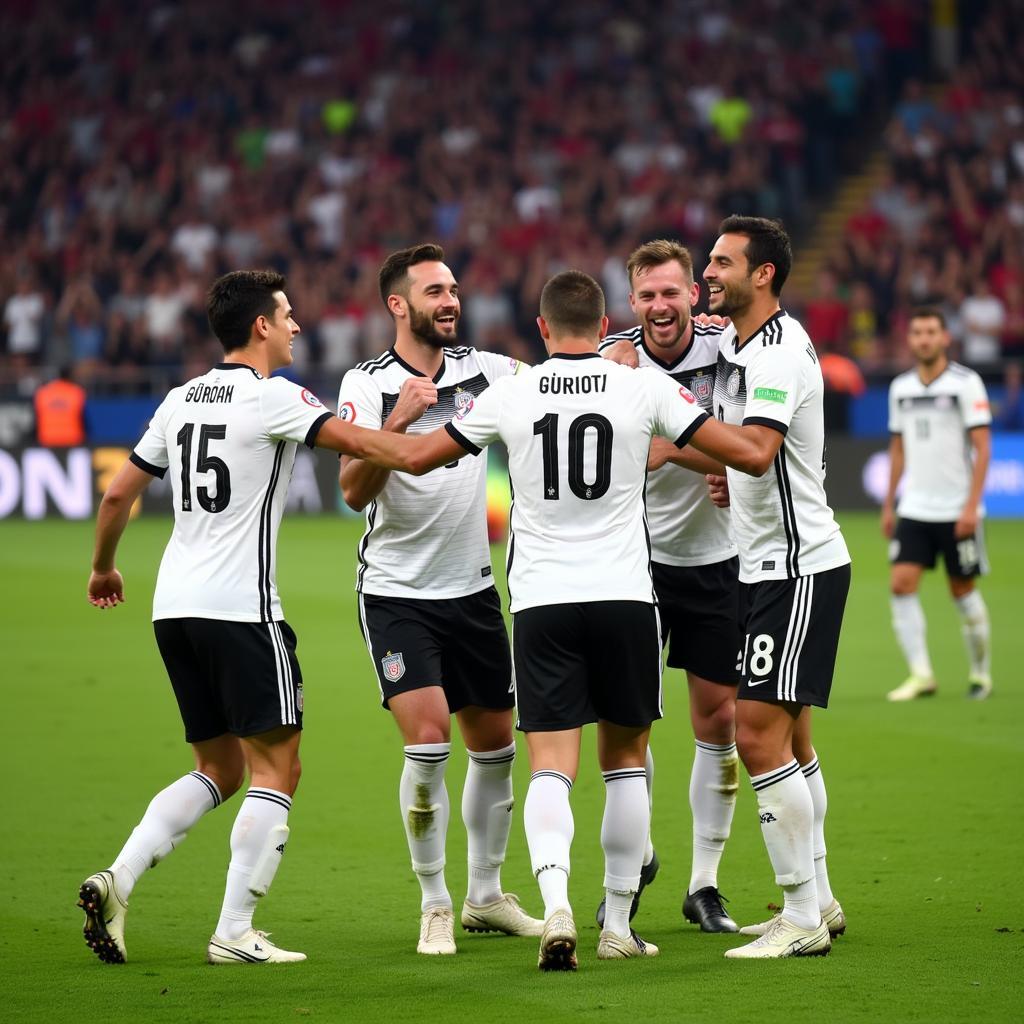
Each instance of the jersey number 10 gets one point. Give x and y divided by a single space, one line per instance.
204 463
547 427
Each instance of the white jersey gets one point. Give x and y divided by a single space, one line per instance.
687 528
228 438
578 429
781 521
426 536
933 420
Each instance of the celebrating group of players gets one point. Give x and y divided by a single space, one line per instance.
667 493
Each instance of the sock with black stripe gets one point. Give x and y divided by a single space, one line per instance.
714 783
819 800
627 820
787 824
423 797
487 813
547 818
169 816
261 810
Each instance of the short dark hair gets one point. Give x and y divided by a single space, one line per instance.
572 303
928 313
237 299
768 243
394 274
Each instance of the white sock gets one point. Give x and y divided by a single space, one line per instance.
547 817
169 816
908 622
649 768
487 813
627 820
787 824
819 800
261 810
714 782
977 633
424 800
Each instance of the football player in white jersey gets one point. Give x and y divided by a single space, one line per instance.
794 574
939 421
229 439
693 559
428 609
578 429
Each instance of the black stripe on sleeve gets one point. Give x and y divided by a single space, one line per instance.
765 421
148 467
314 429
462 440
684 438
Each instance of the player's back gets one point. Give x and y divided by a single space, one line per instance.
228 439
578 431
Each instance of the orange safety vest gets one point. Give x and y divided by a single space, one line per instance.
59 407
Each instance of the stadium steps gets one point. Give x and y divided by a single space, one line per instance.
830 223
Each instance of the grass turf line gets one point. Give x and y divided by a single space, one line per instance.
924 826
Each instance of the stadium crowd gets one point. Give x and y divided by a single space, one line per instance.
946 227
146 148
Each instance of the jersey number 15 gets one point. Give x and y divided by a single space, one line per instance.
204 463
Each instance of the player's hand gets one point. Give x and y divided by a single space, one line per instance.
718 490
967 525
888 522
418 394
623 352
661 451
711 320
106 589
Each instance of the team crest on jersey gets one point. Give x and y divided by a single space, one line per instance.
310 399
393 665
702 387
732 385
347 412
463 403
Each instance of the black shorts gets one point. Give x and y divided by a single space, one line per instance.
791 635
236 677
921 543
458 643
699 608
585 662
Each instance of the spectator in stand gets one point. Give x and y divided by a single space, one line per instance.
60 411
983 316
24 314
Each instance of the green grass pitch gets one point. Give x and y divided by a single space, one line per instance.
924 829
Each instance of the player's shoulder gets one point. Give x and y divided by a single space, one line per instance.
634 335
379 364
962 374
905 381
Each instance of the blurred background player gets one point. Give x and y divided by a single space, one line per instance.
794 574
429 611
694 563
939 419
229 438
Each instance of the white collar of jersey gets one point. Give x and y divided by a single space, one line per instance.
777 315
